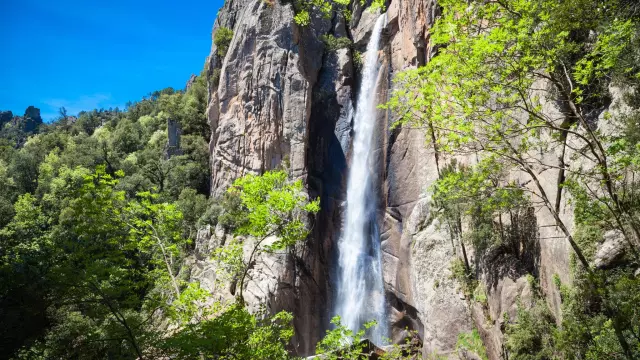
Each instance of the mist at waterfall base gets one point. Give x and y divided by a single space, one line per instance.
360 291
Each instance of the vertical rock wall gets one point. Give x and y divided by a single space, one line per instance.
284 100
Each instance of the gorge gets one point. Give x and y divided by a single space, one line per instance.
288 92
460 172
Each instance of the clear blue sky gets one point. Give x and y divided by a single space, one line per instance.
86 54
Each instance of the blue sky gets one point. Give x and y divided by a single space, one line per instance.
86 54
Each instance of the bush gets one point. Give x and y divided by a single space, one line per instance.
214 80
225 210
531 337
222 38
191 205
333 43
464 277
471 341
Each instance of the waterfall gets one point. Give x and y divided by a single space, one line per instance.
360 295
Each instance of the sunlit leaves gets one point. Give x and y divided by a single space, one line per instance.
232 333
343 343
274 206
222 38
305 9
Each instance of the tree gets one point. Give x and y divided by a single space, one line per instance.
222 38
233 333
498 66
62 111
109 264
192 206
271 207
344 343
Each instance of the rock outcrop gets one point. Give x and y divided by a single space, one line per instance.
611 249
5 117
32 119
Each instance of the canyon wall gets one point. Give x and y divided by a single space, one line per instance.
284 100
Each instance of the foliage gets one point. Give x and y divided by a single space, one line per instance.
499 63
306 8
463 276
472 342
93 248
531 337
222 38
215 78
478 194
589 329
333 43
233 333
192 205
358 60
274 206
498 69
120 256
87 253
410 350
225 210
344 343
271 206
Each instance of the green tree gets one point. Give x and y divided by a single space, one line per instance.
274 207
498 67
532 336
222 38
305 9
233 333
477 94
344 343
192 206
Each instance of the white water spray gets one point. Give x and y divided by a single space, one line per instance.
360 296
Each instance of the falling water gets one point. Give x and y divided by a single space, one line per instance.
360 296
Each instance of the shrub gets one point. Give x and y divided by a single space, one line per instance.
471 341
222 38
214 80
531 337
333 43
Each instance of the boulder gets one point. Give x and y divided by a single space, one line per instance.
610 250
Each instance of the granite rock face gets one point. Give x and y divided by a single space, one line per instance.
611 249
283 100
280 99
260 113
32 118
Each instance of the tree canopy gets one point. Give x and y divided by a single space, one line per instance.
511 84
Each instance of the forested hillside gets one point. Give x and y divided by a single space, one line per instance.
83 199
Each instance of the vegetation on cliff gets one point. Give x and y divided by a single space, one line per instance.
514 80
306 9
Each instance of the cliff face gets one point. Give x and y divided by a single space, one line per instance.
284 100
